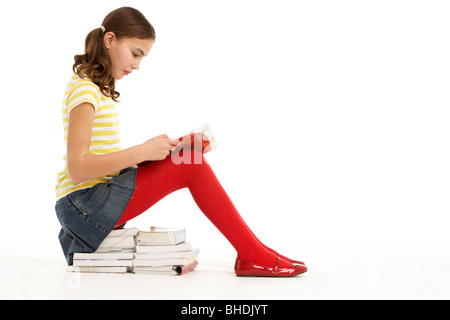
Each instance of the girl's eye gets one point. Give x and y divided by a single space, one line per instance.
135 55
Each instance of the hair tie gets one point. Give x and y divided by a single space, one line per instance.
103 28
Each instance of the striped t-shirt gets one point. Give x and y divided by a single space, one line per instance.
105 131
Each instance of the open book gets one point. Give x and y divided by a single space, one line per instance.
200 139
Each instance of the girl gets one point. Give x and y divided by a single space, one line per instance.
101 187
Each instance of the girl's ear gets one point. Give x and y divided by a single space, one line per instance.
108 39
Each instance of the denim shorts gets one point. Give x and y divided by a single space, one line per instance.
87 216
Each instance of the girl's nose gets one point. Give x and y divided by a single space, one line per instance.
135 66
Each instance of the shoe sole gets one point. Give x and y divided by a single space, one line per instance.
270 276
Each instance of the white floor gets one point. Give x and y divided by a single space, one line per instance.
394 269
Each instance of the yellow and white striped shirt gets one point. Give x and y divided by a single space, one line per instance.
105 131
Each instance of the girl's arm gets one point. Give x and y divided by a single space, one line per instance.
84 166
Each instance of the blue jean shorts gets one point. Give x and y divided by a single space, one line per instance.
87 216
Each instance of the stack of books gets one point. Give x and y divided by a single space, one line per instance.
157 251
164 251
114 255
120 240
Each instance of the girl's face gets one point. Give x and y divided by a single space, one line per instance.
126 54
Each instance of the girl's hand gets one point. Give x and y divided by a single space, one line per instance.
158 148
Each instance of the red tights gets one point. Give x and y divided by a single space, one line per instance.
157 179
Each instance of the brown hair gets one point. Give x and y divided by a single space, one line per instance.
95 63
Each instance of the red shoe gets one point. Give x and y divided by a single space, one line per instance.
296 262
250 269
291 260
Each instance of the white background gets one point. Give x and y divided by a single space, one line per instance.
331 116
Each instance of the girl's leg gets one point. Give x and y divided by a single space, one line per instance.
157 179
